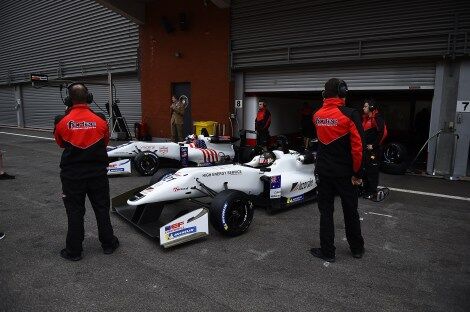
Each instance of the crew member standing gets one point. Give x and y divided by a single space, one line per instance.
177 119
262 123
84 136
375 132
339 168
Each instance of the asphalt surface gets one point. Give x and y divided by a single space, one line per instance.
417 253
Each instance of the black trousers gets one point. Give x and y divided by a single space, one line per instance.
262 137
74 193
371 178
328 187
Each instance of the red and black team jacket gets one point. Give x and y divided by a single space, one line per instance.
375 130
84 136
263 120
340 137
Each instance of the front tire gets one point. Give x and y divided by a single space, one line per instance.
231 212
146 163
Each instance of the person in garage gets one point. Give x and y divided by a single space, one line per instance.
306 123
339 168
177 119
84 136
375 132
262 123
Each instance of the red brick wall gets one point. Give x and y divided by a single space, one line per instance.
204 62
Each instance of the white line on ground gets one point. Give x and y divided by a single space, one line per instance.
29 136
429 194
379 214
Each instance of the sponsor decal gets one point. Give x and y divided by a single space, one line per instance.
328 122
275 187
169 177
221 173
295 199
163 150
182 232
184 156
81 125
115 169
298 186
223 216
174 226
177 189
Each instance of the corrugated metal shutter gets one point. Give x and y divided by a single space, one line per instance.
43 104
67 38
373 76
271 32
8 115
40 106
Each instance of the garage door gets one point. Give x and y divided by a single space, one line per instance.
360 76
43 104
7 107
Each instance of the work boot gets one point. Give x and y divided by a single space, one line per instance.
72 257
358 253
111 248
316 252
6 176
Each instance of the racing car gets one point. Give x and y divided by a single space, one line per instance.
148 157
225 194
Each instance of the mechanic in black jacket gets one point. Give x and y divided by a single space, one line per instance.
339 168
84 136
262 123
375 132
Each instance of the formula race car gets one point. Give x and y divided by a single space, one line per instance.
148 157
224 194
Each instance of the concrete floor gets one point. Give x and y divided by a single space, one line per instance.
417 253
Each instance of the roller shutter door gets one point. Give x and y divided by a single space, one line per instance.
41 105
8 115
272 32
376 76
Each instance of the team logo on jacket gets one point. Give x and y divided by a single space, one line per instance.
78 125
298 186
328 122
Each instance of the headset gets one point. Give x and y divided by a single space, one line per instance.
372 104
68 101
342 90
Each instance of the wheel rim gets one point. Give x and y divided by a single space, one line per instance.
148 164
237 215
392 154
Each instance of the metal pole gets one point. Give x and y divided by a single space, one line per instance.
111 123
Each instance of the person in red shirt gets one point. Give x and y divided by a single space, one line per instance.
375 132
262 123
338 168
84 136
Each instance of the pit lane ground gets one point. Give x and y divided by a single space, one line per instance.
417 252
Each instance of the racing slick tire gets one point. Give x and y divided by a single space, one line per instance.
231 212
394 159
146 163
160 174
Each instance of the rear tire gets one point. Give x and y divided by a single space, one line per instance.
231 212
146 163
160 174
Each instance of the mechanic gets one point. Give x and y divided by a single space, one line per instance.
308 130
84 136
3 174
262 123
339 168
375 131
177 118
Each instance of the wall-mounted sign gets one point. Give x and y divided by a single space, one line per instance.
463 106
238 103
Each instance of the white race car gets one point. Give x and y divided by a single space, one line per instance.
227 194
148 157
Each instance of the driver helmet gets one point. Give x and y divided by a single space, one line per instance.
266 159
